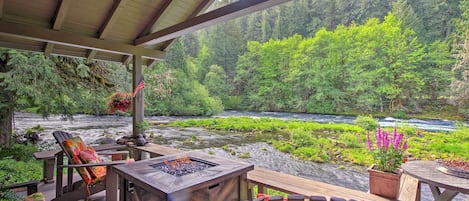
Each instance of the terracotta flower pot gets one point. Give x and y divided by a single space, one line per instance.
384 184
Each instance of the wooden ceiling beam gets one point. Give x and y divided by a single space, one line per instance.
111 19
229 12
61 52
126 59
58 21
57 37
155 18
150 63
200 8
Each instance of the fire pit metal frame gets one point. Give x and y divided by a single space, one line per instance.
162 185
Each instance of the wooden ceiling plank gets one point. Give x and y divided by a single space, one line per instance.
155 18
111 19
231 11
2 2
201 7
58 21
61 13
57 37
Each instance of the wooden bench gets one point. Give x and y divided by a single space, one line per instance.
265 178
48 159
31 186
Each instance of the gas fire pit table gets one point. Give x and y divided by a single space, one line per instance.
185 176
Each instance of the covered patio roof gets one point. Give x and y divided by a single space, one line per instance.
110 30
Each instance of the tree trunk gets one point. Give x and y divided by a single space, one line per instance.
6 107
6 119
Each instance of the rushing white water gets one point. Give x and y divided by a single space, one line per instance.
429 124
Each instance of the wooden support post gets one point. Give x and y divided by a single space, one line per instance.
112 184
243 187
60 161
261 188
250 190
138 99
409 189
69 177
48 170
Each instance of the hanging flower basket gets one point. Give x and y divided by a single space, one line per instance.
119 101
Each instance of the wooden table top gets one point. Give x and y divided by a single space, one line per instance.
143 174
426 171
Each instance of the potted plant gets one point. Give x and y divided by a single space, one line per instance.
388 154
119 101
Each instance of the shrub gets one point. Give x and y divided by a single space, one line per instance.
283 147
367 122
306 153
401 114
350 140
232 103
302 138
462 132
18 152
407 129
19 171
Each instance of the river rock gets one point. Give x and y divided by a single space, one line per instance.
106 140
338 152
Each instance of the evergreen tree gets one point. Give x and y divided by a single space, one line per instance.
266 27
225 43
57 85
191 44
460 83
405 13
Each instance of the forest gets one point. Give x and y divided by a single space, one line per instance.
381 57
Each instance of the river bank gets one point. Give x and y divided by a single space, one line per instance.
93 129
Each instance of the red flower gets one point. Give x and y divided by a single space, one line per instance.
121 101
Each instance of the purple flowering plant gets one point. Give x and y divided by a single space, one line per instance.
389 151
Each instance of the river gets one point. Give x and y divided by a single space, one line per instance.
94 129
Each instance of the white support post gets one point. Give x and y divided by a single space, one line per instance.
137 110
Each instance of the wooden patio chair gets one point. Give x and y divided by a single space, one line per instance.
96 175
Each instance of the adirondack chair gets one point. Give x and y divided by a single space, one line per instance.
96 175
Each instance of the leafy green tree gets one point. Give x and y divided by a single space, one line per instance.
215 83
175 89
203 63
49 86
246 80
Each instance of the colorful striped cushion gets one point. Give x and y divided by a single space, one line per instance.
76 147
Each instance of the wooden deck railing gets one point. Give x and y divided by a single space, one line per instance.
260 177
265 178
